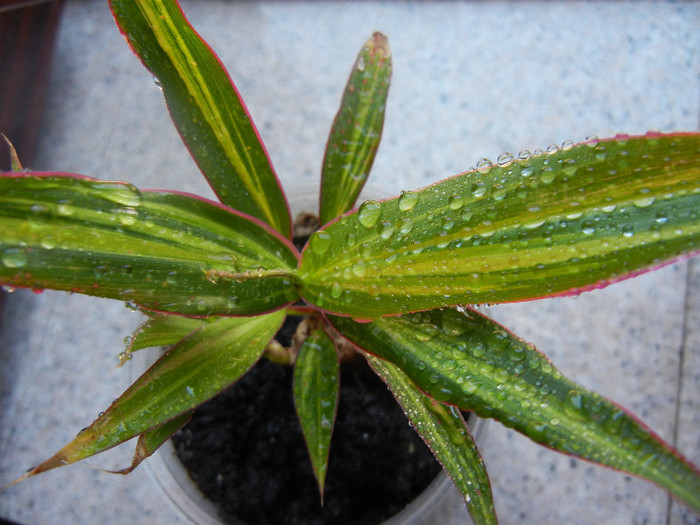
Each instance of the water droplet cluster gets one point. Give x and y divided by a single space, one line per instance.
582 208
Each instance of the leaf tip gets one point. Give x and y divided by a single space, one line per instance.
378 45
14 158
57 460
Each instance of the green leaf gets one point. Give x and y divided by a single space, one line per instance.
316 377
163 251
467 360
444 430
161 330
562 222
15 164
164 330
193 371
357 129
151 440
206 108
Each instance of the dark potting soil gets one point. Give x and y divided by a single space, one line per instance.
245 451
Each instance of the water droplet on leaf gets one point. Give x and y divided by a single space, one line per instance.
127 216
407 201
65 209
359 268
484 165
47 242
504 159
336 290
319 243
405 226
369 213
455 202
40 216
14 257
478 189
387 230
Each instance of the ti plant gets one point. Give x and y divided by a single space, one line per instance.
395 278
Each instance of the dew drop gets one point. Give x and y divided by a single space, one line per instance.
455 202
65 209
453 322
405 226
387 230
41 214
127 216
575 399
628 231
319 243
534 224
14 257
547 175
121 193
484 165
591 141
478 189
499 192
359 268
622 138
569 167
588 228
661 217
336 290
369 213
504 159
526 171
366 249
498 339
47 242
448 223
646 200
407 201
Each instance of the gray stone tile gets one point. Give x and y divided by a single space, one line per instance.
687 434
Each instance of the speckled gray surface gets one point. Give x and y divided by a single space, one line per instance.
470 80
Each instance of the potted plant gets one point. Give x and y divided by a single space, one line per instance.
391 276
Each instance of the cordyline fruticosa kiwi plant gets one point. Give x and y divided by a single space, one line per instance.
394 278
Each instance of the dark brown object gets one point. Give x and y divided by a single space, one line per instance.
245 451
27 34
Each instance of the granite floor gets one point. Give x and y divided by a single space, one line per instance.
470 80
